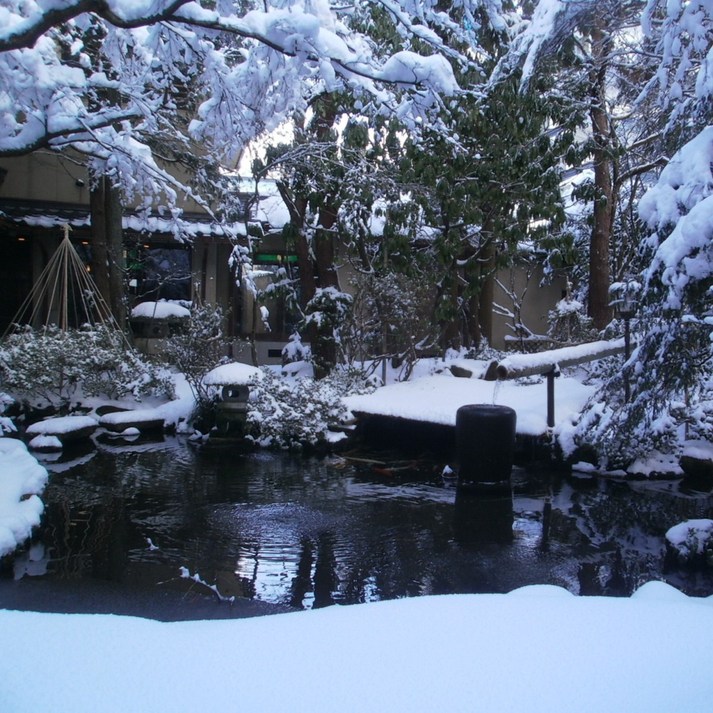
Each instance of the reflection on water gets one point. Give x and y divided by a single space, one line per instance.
309 533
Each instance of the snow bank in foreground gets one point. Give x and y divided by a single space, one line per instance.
536 649
21 476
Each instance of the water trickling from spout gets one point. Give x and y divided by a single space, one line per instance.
496 390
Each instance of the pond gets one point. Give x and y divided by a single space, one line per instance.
284 531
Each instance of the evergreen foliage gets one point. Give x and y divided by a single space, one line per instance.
296 414
671 370
56 365
200 348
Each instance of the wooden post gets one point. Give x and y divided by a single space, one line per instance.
551 398
627 353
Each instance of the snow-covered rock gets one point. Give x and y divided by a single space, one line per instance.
692 540
63 428
656 465
697 458
143 419
45 443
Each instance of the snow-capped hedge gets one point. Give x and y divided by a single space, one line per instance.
287 413
53 364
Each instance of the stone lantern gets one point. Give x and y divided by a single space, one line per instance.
625 302
233 380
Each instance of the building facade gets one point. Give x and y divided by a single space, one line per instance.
42 192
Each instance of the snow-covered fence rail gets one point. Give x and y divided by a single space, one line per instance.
518 365
549 363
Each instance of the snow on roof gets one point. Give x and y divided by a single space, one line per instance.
233 373
538 649
435 399
54 214
160 310
20 476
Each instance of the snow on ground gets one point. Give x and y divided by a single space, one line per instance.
436 399
537 649
701 450
22 478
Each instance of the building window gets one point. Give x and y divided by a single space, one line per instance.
159 272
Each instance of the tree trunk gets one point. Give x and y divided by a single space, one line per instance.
475 336
324 348
107 245
599 245
451 338
315 256
486 295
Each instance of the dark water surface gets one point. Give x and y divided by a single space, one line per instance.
292 532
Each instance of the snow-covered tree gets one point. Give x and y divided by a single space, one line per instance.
104 76
155 96
595 50
488 184
670 370
680 34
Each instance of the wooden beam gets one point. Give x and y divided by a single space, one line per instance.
519 365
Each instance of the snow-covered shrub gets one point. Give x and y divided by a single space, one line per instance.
569 323
295 350
200 348
482 351
6 424
55 364
292 414
389 319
